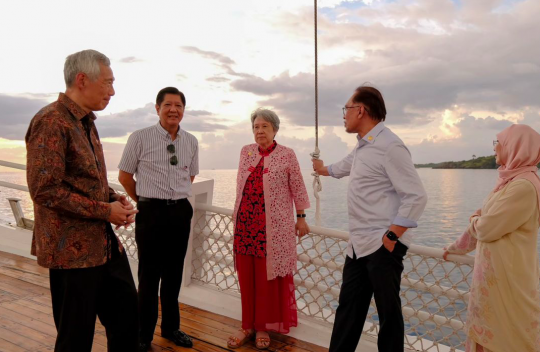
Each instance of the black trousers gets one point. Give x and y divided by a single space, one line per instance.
108 291
162 234
377 274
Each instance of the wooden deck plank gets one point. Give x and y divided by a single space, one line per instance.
44 300
29 333
35 306
25 275
27 321
19 340
29 312
21 287
6 346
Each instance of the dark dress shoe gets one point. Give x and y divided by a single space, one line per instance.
179 338
144 347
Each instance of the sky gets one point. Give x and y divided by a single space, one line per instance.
453 72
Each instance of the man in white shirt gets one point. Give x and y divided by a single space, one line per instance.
385 198
164 159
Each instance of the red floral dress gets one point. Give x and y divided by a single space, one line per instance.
250 230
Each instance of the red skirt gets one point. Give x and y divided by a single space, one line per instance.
267 305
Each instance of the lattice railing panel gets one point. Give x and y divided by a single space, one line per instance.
434 292
213 263
127 234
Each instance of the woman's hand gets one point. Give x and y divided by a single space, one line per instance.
475 214
301 227
445 254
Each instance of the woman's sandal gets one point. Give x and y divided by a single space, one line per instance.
235 342
262 343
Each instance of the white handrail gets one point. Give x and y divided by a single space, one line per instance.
12 165
14 186
342 235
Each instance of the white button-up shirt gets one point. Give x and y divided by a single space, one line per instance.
384 189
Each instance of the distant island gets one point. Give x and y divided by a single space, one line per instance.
482 162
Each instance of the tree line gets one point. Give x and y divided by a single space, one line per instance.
483 162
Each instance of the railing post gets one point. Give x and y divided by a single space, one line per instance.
205 196
17 211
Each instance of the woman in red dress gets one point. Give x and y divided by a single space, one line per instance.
269 182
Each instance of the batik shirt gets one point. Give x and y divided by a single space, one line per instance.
67 179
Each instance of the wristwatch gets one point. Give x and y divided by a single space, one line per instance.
391 236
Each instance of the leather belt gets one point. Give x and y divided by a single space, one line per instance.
162 201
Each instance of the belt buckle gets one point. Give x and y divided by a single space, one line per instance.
171 201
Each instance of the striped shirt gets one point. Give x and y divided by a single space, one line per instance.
146 156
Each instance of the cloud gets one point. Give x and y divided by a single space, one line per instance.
120 124
130 60
214 147
222 61
16 113
218 79
209 55
476 137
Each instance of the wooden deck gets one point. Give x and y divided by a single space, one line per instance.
26 322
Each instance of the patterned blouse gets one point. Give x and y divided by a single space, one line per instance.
66 175
250 230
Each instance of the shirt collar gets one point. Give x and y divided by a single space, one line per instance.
73 108
268 150
164 131
373 133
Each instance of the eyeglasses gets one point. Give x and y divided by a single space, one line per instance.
174 159
349 107
495 142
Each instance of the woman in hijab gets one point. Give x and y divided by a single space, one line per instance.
504 304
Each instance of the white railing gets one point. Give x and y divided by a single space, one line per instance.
434 291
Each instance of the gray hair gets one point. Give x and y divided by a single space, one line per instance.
267 115
86 61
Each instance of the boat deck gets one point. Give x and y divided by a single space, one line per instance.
26 321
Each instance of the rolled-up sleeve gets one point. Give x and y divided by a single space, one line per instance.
342 168
401 172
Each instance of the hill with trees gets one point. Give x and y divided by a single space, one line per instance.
483 162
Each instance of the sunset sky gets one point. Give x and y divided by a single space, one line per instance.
453 72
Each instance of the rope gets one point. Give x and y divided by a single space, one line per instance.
317 186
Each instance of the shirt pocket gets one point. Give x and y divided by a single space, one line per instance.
184 172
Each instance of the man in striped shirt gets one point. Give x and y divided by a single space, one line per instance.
164 160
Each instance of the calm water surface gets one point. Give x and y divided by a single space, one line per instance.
453 196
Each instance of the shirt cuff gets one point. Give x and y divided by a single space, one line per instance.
404 222
330 171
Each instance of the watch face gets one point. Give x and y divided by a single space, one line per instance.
392 236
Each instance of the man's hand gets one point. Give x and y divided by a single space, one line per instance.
125 202
122 215
128 206
388 244
301 227
318 167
